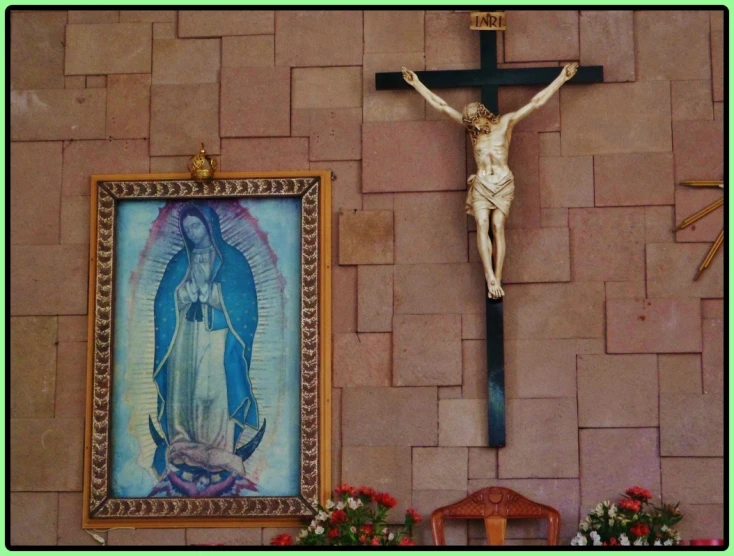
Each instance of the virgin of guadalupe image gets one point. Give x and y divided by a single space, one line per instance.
206 318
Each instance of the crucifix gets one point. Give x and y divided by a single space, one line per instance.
491 190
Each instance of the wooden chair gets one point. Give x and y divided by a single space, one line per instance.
495 505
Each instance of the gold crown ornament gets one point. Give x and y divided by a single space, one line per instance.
202 165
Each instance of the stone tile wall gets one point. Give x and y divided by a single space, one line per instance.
614 355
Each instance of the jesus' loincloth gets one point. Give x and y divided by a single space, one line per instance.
484 194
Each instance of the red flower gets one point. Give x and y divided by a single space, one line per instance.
639 493
333 533
640 530
367 492
629 504
384 499
338 516
368 529
415 516
375 541
345 489
363 539
282 540
612 541
406 541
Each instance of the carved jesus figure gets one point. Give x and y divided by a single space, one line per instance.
492 188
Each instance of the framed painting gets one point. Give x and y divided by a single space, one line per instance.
209 372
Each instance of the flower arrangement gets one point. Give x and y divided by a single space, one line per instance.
632 521
357 518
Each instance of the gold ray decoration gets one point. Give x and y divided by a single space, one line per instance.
700 214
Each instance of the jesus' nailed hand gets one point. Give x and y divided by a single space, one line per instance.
492 188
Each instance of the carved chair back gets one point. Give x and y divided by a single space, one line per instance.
495 505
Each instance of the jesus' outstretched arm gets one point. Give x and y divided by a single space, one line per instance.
568 71
433 99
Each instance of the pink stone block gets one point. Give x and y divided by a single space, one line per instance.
148 16
73 328
169 164
389 417
474 369
366 237
75 220
525 211
264 154
550 143
255 102
698 149
717 64
712 308
536 255
691 425
34 63
449 392
393 106
718 110
339 44
536 311
378 201
336 134
248 51
671 268
344 306
554 217
620 405
94 16
33 366
186 61
75 82
661 55
608 244
146 537
429 228
703 521
688 201
539 368
455 288
462 423
164 31
215 23
35 192
440 468
542 35
542 439
362 360
412 156
607 39
424 502
33 518
240 536
482 463
591 122
546 118
680 374
336 436
426 350
473 327
713 356
653 325
691 100
393 31
374 298
693 480
659 224
70 532
102 49
71 384
633 179
612 460
450 42
625 290
327 87
128 106
567 181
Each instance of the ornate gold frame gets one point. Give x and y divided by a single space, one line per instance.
102 511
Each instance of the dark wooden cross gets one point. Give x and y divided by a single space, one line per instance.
490 78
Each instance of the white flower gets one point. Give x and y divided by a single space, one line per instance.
612 510
638 542
579 540
391 536
584 526
664 528
354 503
340 505
319 530
314 524
329 504
611 522
353 529
322 516
624 540
669 542
596 538
303 533
657 543
599 510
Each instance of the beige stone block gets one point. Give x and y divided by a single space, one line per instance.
473 327
691 100
335 134
346 187
712 308
592 346
71 380
37 446
344 305
550 143
216 23
186 61
393 106
248 51
94 16
255 102
455 288
32 366
146 537
393 31
482 463
366 237
77 114
689 200
633 179
413 156
542 439
539 368
425 502
449 392
75 220
102 49
536 255
670 325
164 31
660 52
241 536
474 369
617 391
340 38
35 192
612 460
374 298
426 350
440 468
70 532
545 118
170 134
659 224
607 39
282 153
148 16
542 35
554 217
429 228
73 328
49 280
693 480
608 244
362 360
96 81
680 374
37 50
691 425
389 417
450 42
713 356
128 106
384 468
327 87
462 423
625 290
702 521
591 122
83 159
536 311
33 518
671 268
567 181
75 82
